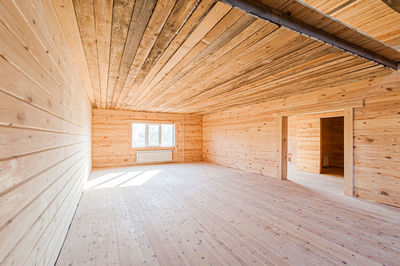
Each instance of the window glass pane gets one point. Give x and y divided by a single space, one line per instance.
167 135
154 135
138 135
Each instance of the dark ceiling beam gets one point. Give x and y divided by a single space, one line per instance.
277 17
394 4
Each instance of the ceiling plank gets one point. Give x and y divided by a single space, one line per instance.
181 12
140 18
245 56
231 25
373 18
158 18
103 10
66 15
85 17
122 13
275 16
289 56
213 17
221 58
142 81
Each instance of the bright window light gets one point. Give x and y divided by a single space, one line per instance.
167 135
152 135
138 135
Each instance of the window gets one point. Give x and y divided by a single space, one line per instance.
138 135
167 135
152 135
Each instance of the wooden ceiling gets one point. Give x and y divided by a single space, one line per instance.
203 56
372 17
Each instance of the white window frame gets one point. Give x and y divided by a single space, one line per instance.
159 137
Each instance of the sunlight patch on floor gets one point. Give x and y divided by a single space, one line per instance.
126 178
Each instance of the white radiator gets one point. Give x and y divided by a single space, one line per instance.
153 156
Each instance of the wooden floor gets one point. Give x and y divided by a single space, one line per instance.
330 183
204 214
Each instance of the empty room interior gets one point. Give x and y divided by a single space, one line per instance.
199 132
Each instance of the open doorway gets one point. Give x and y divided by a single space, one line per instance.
316 150
332 146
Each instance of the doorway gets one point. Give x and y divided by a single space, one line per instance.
320 145
332 146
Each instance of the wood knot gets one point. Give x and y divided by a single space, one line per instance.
389 89
388 157
30 99
21 116
384 193
370 140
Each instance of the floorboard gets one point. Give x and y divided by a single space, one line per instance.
204 214
329 183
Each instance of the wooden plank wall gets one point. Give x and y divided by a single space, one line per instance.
246 138
112 140
308 143
377 150
44 134
308 132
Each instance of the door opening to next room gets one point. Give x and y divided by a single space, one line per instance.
316 151
332 146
